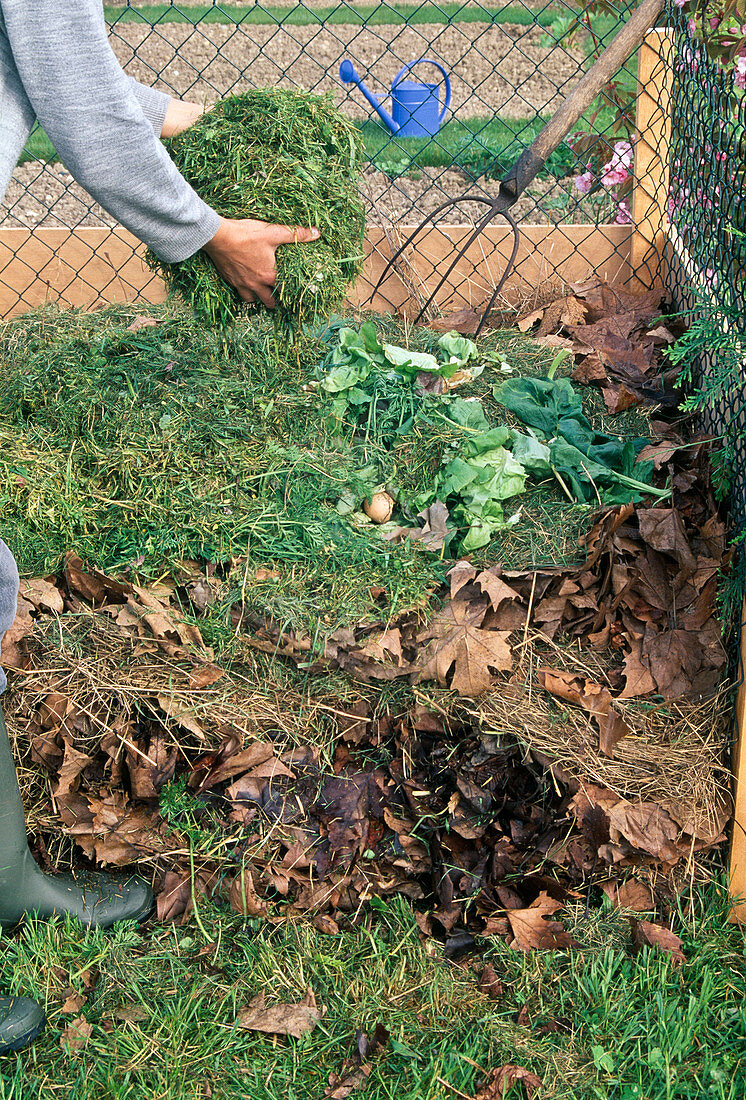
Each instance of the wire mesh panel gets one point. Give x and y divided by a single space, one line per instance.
508 67
706 251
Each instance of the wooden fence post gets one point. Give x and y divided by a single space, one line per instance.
737 861
651 169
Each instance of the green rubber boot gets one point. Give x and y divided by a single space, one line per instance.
21 1020
96 900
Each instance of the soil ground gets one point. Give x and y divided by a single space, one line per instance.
502 68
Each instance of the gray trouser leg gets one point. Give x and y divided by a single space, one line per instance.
8 596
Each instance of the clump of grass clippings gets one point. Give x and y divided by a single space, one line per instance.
285 157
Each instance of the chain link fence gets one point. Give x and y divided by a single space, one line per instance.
509 68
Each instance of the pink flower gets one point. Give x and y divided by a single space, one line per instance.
739 75
622 157
679 3
584 183
612 177
623 215
714 22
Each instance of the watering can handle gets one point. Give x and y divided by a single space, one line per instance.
427 61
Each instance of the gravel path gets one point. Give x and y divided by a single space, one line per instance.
494 69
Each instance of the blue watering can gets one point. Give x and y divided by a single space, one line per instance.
416 107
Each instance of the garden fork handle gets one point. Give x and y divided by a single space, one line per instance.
517 178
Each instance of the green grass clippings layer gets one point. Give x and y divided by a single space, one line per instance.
142 449
302 15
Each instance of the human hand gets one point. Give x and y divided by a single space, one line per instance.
180 115
243 251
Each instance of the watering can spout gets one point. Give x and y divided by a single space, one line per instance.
349 75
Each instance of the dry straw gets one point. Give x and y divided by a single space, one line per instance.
284 157
674 755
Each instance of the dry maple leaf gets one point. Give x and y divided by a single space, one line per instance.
647 934
503 1079
533 931
496 589
461 573
457 641
281 1019
647 827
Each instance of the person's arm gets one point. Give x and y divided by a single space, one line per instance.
89 110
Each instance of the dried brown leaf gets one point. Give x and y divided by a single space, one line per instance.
489 983
74 1001
13 647
463 321
647 934
531 929
243 896
457 642
76 1035
629 895
44 595
92 585
205 676
591 697
281 1019
503 1079
142 320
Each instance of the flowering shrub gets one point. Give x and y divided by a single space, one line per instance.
718 28
721 29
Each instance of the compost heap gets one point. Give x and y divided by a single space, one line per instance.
285 157
320 708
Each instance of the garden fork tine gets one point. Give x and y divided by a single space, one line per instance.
532 160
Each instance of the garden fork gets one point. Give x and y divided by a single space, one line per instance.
532 160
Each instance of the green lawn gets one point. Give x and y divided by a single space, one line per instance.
474 144
601 1022
350 14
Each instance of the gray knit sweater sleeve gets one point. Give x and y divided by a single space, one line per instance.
94 119
154 103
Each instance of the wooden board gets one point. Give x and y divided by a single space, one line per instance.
649 201
92 267
737 863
